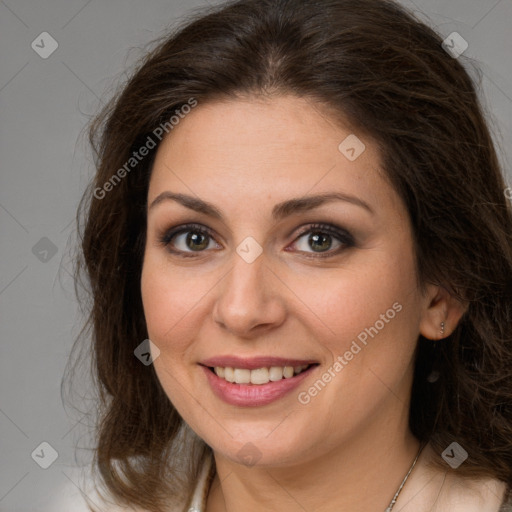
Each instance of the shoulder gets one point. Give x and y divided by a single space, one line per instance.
474 494
435 489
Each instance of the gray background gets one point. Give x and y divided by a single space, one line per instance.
45 165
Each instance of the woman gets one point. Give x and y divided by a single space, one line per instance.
300 205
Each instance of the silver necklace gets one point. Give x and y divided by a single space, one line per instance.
395 497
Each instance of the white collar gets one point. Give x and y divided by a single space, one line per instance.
198 501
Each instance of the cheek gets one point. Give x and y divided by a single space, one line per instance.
165 304
168 301
373 311
157 302
176 302
169 298
349 301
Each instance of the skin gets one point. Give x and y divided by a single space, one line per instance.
351 443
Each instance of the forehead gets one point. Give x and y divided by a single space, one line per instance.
255 148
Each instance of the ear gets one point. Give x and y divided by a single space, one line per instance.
440 307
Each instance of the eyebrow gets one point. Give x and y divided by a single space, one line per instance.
280 210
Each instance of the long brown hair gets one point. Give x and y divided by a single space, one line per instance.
376 65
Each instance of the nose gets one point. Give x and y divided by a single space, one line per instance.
250 299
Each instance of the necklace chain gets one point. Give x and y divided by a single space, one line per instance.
395 497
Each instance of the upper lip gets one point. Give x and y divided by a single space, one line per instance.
253 363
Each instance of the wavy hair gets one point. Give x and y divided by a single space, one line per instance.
376 65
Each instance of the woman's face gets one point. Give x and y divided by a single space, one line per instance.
247 267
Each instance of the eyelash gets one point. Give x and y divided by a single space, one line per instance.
343 236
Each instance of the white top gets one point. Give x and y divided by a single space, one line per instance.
198 501
70 497
199 498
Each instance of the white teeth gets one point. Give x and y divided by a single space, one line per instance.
288 372
229 374
275 373
242 376
259 375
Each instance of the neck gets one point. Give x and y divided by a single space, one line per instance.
362 475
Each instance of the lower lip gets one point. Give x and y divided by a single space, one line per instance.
254 395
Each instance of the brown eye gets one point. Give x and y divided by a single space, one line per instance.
320 242
188 239
320 238
196 241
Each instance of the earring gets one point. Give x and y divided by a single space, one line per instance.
442 328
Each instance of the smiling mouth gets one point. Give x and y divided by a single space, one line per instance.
258 376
